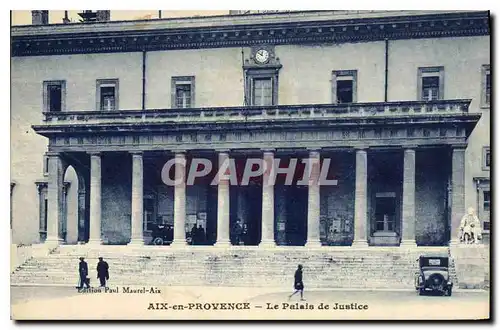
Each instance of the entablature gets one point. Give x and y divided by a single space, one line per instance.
227 31
316 126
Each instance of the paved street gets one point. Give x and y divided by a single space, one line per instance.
249 303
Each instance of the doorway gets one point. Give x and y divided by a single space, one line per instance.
385 213
296 207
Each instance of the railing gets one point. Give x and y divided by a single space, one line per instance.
283 112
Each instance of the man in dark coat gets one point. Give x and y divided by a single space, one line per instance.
298 284
237 230
102 271
83 270
201 235
194 235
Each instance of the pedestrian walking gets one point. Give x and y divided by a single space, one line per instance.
83 271
102 271
298 284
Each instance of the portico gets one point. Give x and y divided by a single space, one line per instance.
391 162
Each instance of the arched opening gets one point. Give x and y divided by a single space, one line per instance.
68 228
75 224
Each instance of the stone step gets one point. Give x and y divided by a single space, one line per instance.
154 266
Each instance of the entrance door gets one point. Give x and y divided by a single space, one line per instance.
385 213
296 223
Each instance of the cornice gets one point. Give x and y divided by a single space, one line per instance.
437 25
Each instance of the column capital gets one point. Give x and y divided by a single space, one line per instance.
268 150
179 151
136 153
409 150
361 151
314 153
459 146
94 153
360 148
180 155
410 147
222 150
53 154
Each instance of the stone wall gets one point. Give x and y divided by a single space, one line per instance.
116 198
431 177
337 202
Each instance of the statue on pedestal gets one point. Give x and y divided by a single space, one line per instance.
470 228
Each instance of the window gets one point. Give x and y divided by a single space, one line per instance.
107 94
183 92
486 210
485 86
486 158
261 87
486 200
54 93
262 91
45 165
483 201
431 83
344 87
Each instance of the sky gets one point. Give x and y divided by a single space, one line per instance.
23 17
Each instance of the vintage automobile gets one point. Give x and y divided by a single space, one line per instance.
161 234
434 275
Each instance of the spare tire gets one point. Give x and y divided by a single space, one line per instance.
158 241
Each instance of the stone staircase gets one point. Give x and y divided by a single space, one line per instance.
327 267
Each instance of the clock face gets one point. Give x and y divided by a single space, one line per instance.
262 56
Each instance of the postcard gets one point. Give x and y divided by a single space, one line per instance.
250 165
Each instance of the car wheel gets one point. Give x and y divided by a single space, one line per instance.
447 292
421 292
158 241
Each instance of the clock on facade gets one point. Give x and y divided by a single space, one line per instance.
262 56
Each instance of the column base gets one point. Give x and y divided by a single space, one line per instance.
223 244
267 244
313 244
53 241
94 241
178 243
136 242
410 243
359 243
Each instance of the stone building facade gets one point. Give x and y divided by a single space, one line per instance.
398 101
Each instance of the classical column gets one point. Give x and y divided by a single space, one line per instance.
408 238
180 201
54 197
313 203
267 239
95 198
360 199
81 215
63 225
137 200
457 190
223 207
